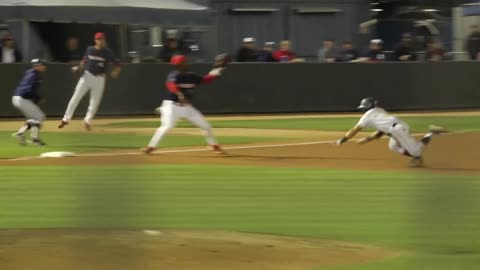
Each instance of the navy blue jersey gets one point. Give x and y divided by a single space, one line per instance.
96 60
185 83
29 86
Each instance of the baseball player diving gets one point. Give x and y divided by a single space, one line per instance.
94 65
26 98
177 105
401 140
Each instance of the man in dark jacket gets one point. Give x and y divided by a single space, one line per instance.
247 53
8 52
266 55
347 53
472 43
405 51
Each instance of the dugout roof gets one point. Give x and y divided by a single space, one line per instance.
150 12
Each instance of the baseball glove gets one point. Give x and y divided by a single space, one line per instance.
222 60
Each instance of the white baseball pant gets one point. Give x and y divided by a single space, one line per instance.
88 82
171 113
32 112
401 140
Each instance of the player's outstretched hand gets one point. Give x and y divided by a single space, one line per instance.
341 141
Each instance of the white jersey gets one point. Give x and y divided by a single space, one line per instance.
378 119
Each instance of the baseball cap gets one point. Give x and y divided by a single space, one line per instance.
178 59
270 44
38 62
99 35
376 41
248 40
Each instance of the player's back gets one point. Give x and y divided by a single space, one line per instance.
28 86
379 119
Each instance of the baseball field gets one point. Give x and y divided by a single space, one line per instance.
284 197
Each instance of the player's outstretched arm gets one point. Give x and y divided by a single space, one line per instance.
350 134
373 136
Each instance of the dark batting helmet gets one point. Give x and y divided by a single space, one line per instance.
367 104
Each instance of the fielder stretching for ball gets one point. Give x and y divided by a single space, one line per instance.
180 84
93 79
25 99
401 140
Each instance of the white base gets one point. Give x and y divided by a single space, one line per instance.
57 154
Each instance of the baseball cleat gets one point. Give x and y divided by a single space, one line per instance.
218 150
87 126
416 162
38 142
435 130
148 150
427 139
62 124
21 138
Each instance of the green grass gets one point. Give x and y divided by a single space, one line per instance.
417 123
434 218
80 142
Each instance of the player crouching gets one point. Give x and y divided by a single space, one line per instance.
177 105
25 99
401 140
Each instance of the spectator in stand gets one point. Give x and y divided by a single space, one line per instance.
434 51
375 53
347 53
405 51
328 53
247 53
8 51
266 55
285 53
171 48
472 44
73 52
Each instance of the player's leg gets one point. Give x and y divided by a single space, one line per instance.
20 134
35 118
80 91
401 133
96 94
197 118
413 148
170 113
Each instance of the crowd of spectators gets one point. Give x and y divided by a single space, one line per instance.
249 53
408 49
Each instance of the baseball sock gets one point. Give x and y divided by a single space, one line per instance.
35 131
24 128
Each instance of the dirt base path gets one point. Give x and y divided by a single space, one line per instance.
174 249
452 153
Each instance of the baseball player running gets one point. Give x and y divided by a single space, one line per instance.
181 84
25 99
401 140
93 79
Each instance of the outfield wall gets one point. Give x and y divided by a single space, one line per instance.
263 88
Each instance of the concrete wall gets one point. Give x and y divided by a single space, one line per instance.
262 88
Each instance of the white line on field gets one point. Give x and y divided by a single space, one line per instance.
187 150
205 149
